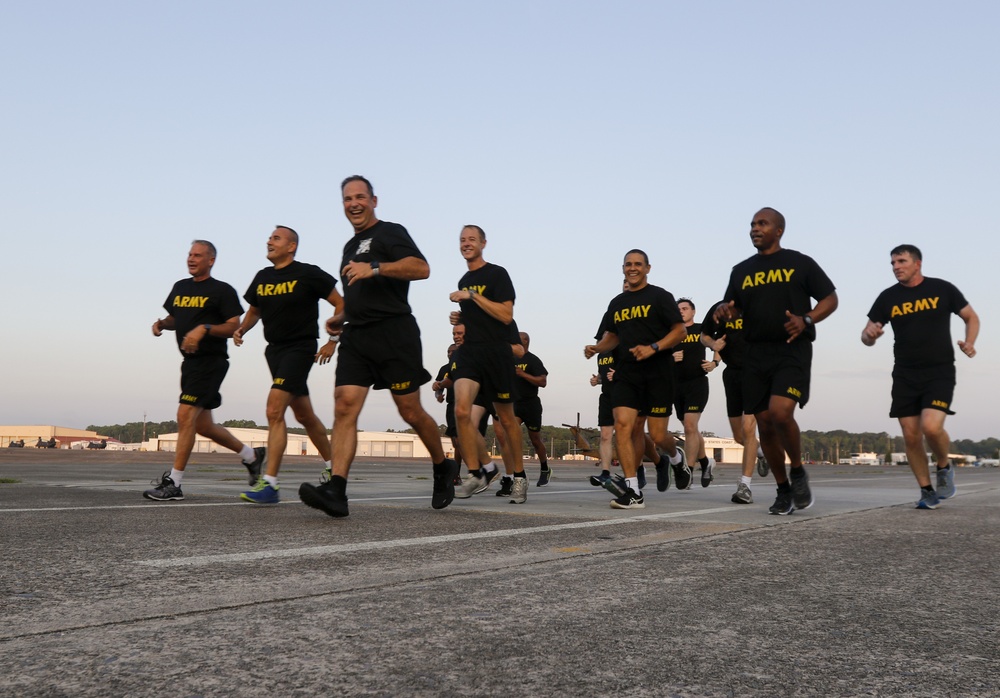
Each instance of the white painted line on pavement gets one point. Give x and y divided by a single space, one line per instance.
201 560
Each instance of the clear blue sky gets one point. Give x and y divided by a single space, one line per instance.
570 131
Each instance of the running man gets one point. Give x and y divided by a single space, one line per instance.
285 297
486 298
203 312
772 292
726 339
531 375
923 376
379 346
691 395
640 321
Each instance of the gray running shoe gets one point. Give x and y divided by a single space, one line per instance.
165 490
519 491
471 485
742 495
946 482
928 500
762 467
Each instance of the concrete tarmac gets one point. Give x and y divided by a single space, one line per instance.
104 593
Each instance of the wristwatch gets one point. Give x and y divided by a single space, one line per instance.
655 346
808 320
375 268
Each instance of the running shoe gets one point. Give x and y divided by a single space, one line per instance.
629 499
762 467
324 498
543 477
801 494
472 485
165 490
599 480
326 475
706 473
783 503
519 491
929 499
262 493
946 482
742 495
254 468
682 473
662 473
506 484
444 483
615 485
641 474
490 476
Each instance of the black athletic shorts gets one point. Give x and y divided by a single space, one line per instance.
732 381
384 355
529 412
449 420
691 396
918 389
492 366
290 365
201 379
605 417
646 386
776 368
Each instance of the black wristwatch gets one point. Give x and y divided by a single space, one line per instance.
375 268
654 346
808 320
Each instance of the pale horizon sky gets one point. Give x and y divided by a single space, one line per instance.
570 131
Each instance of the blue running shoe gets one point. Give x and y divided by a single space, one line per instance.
262 493
946 482
929 499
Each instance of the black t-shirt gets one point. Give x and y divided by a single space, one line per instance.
493 283
442 373
766 285
533 366
192 303
641 318
606 359
735 350
287 299
694 354
379 297
921 321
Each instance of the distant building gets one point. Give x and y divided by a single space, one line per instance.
65 437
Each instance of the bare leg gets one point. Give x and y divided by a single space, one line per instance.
306 416
277 429
416 416
512 455
187 417
625 418
347 403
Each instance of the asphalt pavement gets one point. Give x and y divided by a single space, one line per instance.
104 593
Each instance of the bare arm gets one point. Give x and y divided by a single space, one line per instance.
538 381
971 320
189 345
608 342
502 311
406 269
676 334
796 324
249 320
166 323
871 333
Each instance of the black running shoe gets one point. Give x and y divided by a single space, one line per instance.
682 473
801 494
615 485
543 477
641 474
663 473
444 483
599 480
254 469
706 473
783 503
165 490
629 500
324 498
506 485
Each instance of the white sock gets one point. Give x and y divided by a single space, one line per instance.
760 452
489 467
633 484
176 476
326 464
247 454
676 458
746 480
271 480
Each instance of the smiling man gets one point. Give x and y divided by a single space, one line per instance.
642 322
285 297
772 292
919 308
379 346
204 312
